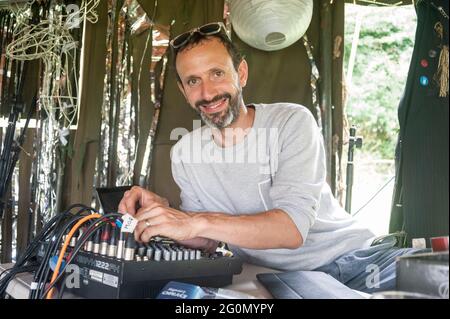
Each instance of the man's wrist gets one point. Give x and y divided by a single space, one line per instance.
199 224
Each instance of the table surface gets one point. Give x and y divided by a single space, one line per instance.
245 282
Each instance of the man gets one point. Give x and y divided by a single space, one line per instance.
253 177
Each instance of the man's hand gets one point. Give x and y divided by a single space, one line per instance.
202 243
140 198
256 231
159 220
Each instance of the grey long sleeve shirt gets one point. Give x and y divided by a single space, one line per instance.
280 164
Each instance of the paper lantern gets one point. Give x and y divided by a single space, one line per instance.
270 25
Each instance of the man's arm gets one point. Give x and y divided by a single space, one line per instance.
295 194
267 230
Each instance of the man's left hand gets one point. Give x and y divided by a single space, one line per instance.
158 220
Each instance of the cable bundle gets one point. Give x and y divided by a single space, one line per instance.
52 241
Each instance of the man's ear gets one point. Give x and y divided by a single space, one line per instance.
243 73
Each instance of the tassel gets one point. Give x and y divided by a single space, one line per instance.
441 76
442 72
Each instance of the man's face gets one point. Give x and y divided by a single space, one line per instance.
210 82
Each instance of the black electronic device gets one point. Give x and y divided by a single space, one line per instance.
110 197
106 262
112 265
105 277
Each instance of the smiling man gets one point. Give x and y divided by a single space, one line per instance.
253 177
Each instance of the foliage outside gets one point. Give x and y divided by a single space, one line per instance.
383 56
382 62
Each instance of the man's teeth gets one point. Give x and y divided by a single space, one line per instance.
214 106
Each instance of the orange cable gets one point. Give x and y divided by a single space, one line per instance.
64 248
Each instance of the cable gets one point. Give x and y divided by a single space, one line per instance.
74 252
53 232
50 234
376 194
31 249
64 248
12 273
43 273
80 243
91 230
54 244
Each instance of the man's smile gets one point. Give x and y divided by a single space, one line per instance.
214 107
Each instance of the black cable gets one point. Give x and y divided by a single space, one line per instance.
46 231
376 194
13 156
51 235
4 271
41 275
42 293
53 247
27 254
52 251
97 224
53 231
12 273
61 290
11 149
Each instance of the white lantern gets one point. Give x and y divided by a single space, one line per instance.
270 25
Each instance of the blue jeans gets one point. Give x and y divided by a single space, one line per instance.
370 269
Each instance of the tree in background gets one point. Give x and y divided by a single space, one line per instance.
382 59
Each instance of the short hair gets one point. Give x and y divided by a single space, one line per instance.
197 38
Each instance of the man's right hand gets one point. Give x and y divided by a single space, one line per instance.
139 198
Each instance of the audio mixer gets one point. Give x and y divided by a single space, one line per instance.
95 255
112 265
143 272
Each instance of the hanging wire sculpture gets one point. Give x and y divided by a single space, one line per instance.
51 41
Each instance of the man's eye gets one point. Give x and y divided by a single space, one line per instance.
219 74
192 82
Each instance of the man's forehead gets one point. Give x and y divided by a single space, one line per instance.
205 55
211 45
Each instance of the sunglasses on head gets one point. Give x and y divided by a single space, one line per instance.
207 29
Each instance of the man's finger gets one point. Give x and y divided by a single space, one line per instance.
128 202
147 208
148 212
148 223
149 232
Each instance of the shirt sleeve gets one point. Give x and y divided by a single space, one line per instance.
301 171
189 199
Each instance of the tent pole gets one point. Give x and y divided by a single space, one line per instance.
326 45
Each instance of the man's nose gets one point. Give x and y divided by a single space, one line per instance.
209 90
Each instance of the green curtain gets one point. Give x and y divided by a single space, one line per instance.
420 205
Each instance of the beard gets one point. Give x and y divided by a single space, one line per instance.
225 118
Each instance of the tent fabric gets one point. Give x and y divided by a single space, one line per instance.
86 141
421 203
141 47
